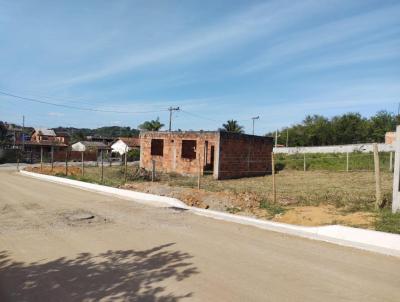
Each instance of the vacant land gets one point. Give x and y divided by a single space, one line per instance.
355 161
304 198
65 244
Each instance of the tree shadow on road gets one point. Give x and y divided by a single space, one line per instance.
114 275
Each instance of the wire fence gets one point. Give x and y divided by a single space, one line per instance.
335 161
345 179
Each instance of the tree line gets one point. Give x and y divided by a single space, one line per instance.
348 128
314 130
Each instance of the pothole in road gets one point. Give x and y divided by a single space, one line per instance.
81 216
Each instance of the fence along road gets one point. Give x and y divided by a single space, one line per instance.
130 251
335 149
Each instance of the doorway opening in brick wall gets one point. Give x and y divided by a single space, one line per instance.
209 150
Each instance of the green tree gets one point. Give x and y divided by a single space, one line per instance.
78 136
153 125
381 123
349 128
232 126
317 131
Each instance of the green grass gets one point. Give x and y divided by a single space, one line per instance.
388 222
333 161
272 208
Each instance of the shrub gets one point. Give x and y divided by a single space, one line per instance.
133 155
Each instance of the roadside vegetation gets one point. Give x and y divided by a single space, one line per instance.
314 197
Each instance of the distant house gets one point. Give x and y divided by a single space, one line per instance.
62 137
44 135
84 146
46 140
124 144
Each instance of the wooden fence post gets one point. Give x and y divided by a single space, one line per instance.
102 166
304 162
52 158
66 162
347 161
126 165
391 162
82 164
41 158
378 190
396 174
198 172
153 170
273 177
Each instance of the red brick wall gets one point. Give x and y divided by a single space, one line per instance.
74 156
236 155
172 160
243 155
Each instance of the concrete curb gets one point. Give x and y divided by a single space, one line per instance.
151 199
379 242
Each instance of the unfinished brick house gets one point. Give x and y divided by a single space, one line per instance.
223 154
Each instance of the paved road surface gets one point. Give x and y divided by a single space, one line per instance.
131 252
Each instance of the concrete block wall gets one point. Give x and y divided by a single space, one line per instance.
242 155
365 148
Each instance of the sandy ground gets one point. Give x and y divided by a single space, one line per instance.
241 203
248 204
64 244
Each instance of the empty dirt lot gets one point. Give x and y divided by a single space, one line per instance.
63 244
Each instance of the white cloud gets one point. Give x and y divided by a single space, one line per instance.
259 20
351 29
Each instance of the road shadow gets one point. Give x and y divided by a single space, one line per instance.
123 275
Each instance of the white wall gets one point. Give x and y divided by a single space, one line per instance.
78 147
335 149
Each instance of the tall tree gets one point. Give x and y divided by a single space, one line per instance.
381 123
153 125
349 128
232 126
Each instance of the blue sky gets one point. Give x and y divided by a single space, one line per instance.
217 60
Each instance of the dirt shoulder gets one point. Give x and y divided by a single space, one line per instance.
303 198
250 204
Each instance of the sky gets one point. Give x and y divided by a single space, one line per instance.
216 60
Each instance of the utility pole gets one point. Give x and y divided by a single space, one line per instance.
170 116
254 118
276 138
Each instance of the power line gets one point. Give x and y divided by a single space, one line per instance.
200 116
35 100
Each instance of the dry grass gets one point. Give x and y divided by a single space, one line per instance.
351 191
307 198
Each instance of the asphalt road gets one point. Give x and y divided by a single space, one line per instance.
52 249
